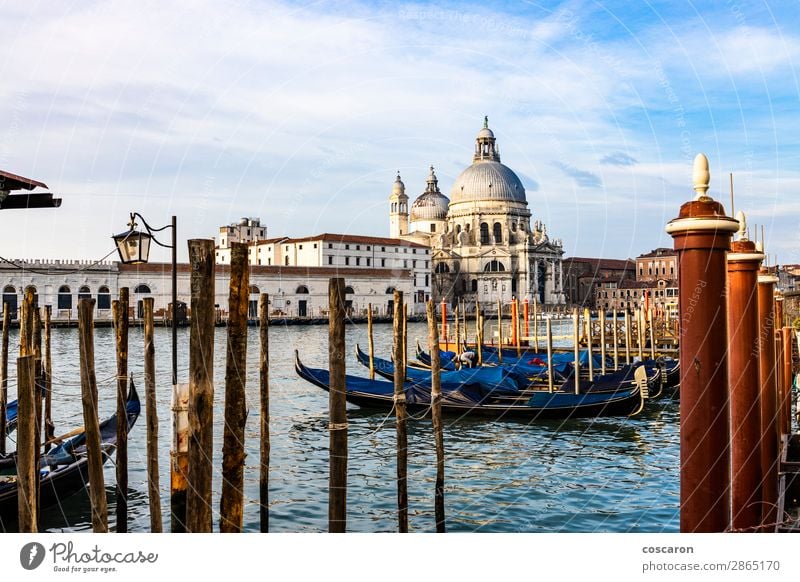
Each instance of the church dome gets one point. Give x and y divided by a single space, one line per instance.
487 178
431 204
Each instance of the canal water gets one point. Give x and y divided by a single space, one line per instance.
603 475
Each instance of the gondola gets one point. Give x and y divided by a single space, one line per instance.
471 400
12 409
64 470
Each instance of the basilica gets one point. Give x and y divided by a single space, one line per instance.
483 244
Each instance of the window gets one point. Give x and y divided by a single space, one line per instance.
347 247
442 268
474 285
315 245
369 248
358 247
348 290
414 264
405 263
484 233
286 260
254 290
494 266
358 261
413 251
84 293
302 290
368 261
64 297
383 262
498 233
427 280
347 260
330 260
330 245
103 298
383 250
389 290
142 289
300 247
433 227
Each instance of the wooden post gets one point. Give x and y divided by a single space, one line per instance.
640 332
372 343
400 411
26 325
575 342
436 413
602 317
515 324
49 427
201 387
231 505
27 459
179 458
4 378
481 328
652 334
615 337
525 318
458 334
702 236
769 398
780 388
787 379
627 337
337 500
535 327
444 324
263 369
549 356
121 315
89 398
746 477
405 339
151 408
499 331
587 315
478 334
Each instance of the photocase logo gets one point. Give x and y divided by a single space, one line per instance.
31 555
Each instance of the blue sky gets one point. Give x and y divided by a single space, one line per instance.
302 113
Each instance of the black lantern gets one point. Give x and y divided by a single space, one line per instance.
133 245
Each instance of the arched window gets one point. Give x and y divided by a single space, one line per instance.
103 298
254 290
64 297
494 267
442 268
348 290
390 290
498 233
142 289
484 233
474 285
84 293
10 297
513 227
458 229
286 260
303 290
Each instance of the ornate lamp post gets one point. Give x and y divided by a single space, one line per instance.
134 248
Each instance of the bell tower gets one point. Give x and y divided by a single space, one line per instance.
398 209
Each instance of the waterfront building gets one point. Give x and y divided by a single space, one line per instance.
583 276
657 265
294 291
483 245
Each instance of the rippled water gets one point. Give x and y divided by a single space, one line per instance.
610 474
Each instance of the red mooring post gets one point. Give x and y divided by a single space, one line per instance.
787 379
702 235
745 409
526 317
769 397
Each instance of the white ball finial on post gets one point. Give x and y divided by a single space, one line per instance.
742 225
700 176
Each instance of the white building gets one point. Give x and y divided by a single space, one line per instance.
351 252
482 244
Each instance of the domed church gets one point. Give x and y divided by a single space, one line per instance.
482 244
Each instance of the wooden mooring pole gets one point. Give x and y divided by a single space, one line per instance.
787 379
179 457
231 505
201 387
602 320
549 355
769 398
89 398
27 458
263 373
400 414
337 406
49 427
587 316
151 409
627 337
121 321
615 339
371 342
576 343
745 406
702 236
436 413
4 378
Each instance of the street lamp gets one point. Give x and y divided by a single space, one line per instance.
134 248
